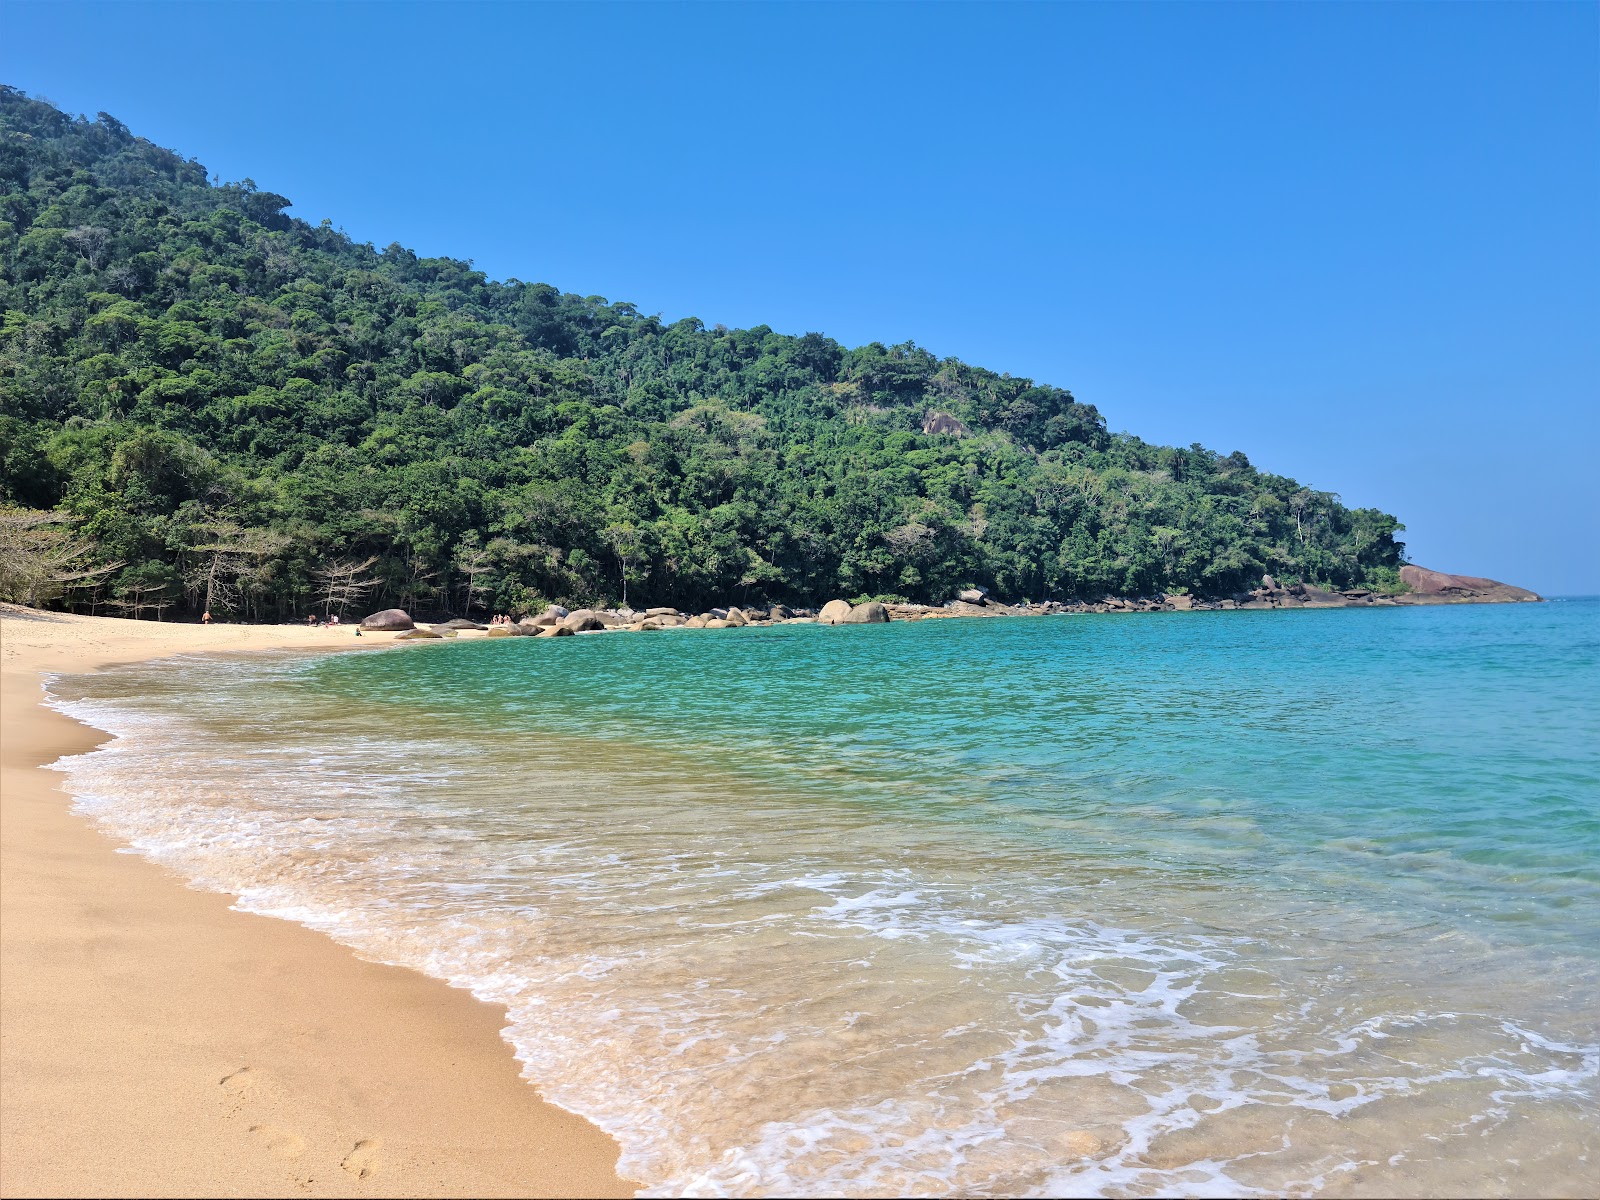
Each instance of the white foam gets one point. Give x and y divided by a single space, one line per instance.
750 1015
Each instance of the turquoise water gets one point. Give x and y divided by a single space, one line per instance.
1210 903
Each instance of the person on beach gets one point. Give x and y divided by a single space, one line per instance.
333 620
205 617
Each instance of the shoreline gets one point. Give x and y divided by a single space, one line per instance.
154 1041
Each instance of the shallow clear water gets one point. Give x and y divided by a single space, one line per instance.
1281 902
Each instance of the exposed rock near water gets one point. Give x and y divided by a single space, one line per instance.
1435 587
1426 587
388 619
834 612
870 613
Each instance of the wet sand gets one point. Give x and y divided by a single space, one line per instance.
155 1042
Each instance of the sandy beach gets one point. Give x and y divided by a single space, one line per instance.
155 1042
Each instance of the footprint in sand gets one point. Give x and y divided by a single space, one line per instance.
363 1160
282 1142
238 1081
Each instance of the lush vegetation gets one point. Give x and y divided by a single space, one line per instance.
223 405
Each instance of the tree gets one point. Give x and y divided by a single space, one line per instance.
40 560
343 582
473 561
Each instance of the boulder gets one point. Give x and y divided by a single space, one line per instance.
459 623
501 631
389 618
973 595
736 618
799 621
582 620
870 613
695 623
716 623
834 612
660 612
556 631
720 614
1268 582
1181 603
779 612
419 635
1436 587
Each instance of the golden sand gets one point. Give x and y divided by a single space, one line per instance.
155 1042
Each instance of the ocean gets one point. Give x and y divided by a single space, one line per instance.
1231 903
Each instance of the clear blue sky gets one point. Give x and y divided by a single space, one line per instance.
1359 242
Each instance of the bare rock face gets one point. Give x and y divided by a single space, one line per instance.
973 595
1436 587
388 619
582 620
941 422
834 612
870 613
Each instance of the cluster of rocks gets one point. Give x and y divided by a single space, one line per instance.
1426 587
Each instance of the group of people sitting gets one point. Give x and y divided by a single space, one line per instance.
501 619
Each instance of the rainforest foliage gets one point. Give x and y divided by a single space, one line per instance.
220 404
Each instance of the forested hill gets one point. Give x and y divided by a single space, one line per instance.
225 401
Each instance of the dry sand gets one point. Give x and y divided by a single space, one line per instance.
155 1042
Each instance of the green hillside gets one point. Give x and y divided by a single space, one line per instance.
225 401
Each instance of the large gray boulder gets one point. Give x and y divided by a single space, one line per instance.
388 619
419 635
736 617
460 623
973 595
834 612
660 612
870 613
556 631
582 620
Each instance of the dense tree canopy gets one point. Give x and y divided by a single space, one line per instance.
249 412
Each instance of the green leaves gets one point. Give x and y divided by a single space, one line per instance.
170 347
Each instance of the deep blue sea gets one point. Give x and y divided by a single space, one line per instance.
1146 904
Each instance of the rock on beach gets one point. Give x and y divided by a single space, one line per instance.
388 619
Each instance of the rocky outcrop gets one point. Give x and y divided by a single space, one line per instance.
388 619
419 635
834 612
870 613
736 618
942 422
582 620
1436 587
973 595
556 631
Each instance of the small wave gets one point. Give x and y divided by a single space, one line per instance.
821 1010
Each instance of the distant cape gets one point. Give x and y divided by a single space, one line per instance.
1436 587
